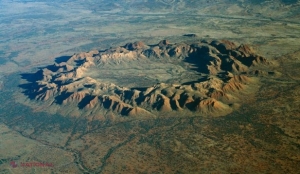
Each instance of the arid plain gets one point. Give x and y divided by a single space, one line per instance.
235 110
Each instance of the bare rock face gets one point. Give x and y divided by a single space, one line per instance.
163 43
134 46
223 64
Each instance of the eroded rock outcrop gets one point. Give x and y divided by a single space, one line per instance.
223 62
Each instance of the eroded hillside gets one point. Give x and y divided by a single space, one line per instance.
210 78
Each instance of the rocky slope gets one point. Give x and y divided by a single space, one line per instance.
223 66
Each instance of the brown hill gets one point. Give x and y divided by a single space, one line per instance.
223 64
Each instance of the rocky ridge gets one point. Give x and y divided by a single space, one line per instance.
224 66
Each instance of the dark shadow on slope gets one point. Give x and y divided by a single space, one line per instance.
32 77
125 111
173 105
200 59
64 95
85 101
193 105
140 99
31 88
227 62
79 62
62 59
